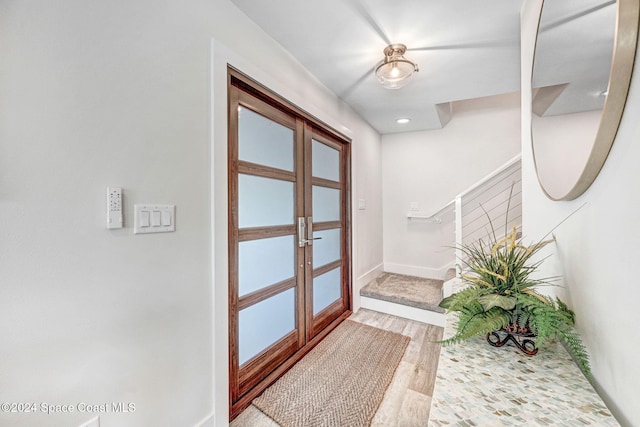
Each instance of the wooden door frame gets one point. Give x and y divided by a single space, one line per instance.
240 399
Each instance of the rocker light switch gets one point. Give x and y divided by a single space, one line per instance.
154 219
144 219
165 218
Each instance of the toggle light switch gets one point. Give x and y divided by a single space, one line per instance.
154 219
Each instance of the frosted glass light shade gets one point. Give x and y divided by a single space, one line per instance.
396 70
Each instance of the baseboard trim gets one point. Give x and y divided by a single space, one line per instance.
404 311
369 276
362 281
413 270
208 421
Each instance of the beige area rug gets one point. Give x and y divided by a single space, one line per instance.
341 382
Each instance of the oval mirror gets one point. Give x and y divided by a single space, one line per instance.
582 69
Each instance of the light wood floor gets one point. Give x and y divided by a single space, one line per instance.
408 398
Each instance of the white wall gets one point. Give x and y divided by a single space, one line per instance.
367 233
121 94
597 247
431 168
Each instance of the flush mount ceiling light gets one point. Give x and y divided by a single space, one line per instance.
395 70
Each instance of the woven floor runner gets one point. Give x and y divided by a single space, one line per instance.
341 382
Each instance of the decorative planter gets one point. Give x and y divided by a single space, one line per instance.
519 336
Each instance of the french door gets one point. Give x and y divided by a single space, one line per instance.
288 236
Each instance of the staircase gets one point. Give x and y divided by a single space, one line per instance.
494 202
410 297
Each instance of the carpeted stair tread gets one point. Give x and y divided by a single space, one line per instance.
406 290
451 273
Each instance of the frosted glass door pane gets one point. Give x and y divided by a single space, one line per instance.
264 201
325 161
327 249
264 262
264 141
326 289
326 204
264 323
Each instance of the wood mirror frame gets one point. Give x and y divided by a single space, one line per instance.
586 169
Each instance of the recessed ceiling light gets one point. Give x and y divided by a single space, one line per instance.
403 120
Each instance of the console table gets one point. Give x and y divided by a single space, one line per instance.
479 385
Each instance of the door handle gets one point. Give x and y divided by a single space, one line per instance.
310 237
305 232
302 232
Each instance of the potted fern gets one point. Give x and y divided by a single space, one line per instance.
501 302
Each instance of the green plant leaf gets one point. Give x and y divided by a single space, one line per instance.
496 300
446 302
578 352
459 300
472 323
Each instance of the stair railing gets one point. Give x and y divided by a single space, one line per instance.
487 206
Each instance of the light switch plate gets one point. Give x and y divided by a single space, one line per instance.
154 219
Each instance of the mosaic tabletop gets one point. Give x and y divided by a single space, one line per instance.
479 385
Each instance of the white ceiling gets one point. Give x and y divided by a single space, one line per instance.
465 49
